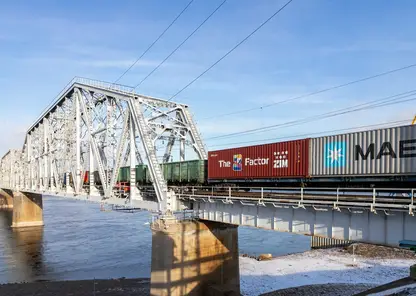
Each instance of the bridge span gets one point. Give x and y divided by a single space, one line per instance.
380 216
98 127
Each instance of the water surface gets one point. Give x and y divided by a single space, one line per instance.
79 241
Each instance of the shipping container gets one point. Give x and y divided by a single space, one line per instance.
369 153
270 161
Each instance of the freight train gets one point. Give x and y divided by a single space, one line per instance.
381 158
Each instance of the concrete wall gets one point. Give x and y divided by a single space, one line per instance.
27 209
348 224
6 199
194 257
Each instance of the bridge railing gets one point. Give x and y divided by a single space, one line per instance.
104 85
371 198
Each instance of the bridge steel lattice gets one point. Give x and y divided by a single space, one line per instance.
95 126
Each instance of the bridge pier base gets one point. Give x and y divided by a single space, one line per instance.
27 209
194 258
6 200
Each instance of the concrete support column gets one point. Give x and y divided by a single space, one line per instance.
27 209
194 258
6 200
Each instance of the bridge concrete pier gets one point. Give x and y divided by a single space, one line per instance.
194 258
6 199
27 209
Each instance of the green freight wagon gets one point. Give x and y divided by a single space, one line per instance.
186 172
142 174
175 173
196 172
124 174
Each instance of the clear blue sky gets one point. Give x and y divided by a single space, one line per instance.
309 46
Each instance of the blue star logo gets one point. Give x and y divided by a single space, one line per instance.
335 154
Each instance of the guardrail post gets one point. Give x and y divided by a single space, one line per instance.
212 190
300 204
193 190
336 203
412 203
261 192
374 201
229 192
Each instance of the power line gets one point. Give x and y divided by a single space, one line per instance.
182 43
316 118
390 100
359 107
374 106
389 124
154 42
313 93
231 50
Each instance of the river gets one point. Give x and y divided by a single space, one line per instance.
79 241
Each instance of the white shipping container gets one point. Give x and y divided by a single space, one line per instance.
369 153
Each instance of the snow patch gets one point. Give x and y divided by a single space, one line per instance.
318 267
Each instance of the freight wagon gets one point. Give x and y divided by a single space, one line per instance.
382 158
190 172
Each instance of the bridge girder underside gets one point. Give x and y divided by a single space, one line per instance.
100 127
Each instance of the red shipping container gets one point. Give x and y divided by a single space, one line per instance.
278 160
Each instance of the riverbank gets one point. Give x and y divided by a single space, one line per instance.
320 267
318 270
113 287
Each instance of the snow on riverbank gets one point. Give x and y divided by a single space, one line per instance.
318 267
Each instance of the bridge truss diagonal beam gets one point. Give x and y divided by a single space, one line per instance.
78 145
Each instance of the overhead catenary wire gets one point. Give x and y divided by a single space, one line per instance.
327 132
315 92
311 119
154 42
390 100
180 45
231 50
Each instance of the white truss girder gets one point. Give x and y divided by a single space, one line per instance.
97 127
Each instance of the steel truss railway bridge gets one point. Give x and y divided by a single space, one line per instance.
95 126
